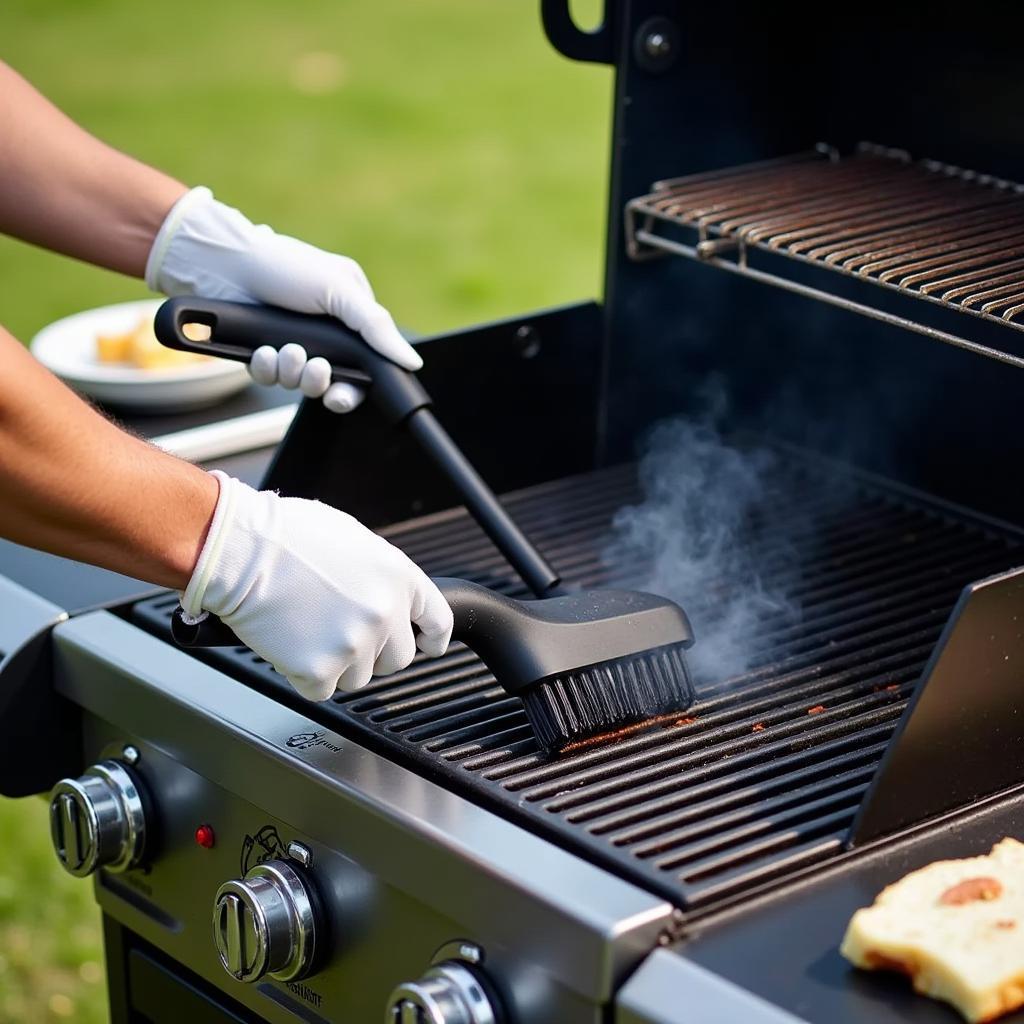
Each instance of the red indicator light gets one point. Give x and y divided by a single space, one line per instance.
205 837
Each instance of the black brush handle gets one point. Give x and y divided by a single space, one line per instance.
237 330
465 599
524 642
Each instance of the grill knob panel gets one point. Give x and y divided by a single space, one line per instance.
265 924
98 820
449 993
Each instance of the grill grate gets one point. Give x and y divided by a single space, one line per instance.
763 776
925 229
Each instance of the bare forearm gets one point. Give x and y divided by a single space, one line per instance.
74 484
67 191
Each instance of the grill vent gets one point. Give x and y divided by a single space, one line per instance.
763 776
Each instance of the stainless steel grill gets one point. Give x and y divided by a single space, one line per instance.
761 779
923 229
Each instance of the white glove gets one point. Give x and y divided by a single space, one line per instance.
214 251
312 591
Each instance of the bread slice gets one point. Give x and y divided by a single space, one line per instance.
956 927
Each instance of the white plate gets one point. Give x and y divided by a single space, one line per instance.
68 348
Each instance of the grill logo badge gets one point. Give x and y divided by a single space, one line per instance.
266 844
308 740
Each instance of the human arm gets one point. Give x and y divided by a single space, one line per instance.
76 485
275 569
65 190
73 484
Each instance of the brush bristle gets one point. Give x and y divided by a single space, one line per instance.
606 697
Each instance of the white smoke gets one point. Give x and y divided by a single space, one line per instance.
690 539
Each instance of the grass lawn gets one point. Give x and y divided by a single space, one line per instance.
442 143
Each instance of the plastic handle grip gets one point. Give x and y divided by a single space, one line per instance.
210 631
237 330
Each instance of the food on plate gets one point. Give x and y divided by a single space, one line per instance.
139 347
956 927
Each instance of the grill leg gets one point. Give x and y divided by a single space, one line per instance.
115 951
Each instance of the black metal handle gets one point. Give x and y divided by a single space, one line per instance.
597 47
237 330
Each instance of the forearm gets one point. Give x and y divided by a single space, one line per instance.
63 189
74 484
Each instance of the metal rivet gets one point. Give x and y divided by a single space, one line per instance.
130 755
657 44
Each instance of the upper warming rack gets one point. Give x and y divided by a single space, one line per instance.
924 229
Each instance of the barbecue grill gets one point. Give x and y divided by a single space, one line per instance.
405 853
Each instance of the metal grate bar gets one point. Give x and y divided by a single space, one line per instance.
924 229
762 778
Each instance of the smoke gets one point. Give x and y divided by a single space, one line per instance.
694 538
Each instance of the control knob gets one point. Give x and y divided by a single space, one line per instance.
98 820
266 923
450 992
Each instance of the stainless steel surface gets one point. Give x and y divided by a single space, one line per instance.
98 820
943 234
265 924
218 440
23 616
560 934
449 993
669 989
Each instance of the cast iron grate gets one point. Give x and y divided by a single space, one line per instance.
761 779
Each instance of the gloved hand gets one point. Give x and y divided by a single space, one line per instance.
323 599
214 251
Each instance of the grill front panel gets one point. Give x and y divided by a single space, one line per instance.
762 777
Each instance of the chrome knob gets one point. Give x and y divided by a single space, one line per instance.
449 993
97 820
265 924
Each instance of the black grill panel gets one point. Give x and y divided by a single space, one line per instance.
762 778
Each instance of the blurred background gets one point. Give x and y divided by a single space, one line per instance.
442 143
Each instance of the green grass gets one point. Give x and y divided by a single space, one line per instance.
442 143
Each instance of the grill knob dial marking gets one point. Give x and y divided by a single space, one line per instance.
449 993
265 924
98 820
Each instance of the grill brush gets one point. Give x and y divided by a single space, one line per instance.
584 664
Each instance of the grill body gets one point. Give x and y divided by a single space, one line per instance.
606 882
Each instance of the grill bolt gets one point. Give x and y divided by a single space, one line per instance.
657 45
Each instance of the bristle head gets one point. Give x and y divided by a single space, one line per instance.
603 698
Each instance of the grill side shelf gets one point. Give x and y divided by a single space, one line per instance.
962 735
948 236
